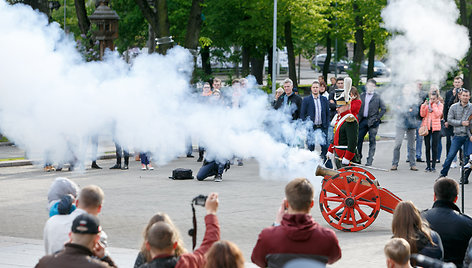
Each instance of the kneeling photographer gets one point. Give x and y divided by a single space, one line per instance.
161 241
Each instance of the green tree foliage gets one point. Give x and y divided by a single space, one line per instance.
133 28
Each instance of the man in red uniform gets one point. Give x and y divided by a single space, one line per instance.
346 128
295 233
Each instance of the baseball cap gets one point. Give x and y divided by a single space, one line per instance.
86 224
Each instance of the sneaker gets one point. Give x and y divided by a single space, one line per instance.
433 170
190 156
414 168
125 167
116 166
200 159
394 167
408 160
438 161
453 165
143 167
419 160
464 182
427 169
368 164
150 167
218 178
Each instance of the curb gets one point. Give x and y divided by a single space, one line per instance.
26 162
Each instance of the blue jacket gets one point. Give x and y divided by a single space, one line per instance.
308 110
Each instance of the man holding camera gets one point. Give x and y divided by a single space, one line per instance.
84 249
161 241
295 232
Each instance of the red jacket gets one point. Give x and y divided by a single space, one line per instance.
298 234
356 107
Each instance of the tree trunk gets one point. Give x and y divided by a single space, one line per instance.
194 25
164 27
468 24
206 65
358 48
257 67
81 11
468 72
269 60
41 5
328 57
158 20
245 56
151 40
370 66
292 72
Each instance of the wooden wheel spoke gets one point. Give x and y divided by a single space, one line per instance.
346 186
342 217
356 187
336 209
353 216
363 193
334 199
337 191
362 213
367 203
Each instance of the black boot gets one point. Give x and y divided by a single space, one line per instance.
200 156
465 179
125 166
118 163
95 166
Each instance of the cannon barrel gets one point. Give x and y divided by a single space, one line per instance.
322 171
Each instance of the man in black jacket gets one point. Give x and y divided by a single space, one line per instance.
454 228
289 102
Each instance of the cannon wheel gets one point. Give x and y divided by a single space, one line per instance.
350 205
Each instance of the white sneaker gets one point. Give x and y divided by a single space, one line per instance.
453 165
143 167
150 167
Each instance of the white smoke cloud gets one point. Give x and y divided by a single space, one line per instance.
52 102
427 42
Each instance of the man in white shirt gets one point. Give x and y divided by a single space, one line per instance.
57 228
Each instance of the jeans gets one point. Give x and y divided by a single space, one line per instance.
363 129
312 142
410 135
210 169
456 143
144 158
439 148
419 143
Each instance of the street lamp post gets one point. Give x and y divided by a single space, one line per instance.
274 48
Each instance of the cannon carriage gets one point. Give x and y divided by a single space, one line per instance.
351 198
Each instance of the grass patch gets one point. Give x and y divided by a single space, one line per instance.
4 139
12 159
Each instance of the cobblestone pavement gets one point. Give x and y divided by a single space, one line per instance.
248 203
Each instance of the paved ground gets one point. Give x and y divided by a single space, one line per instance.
247 204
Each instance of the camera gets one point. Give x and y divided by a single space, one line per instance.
200 200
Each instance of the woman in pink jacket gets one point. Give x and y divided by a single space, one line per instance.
431 111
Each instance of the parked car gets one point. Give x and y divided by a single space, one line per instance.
318 63
379 68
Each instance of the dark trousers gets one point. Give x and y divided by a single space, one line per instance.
320 137
431 145
210 169
363 130
120 152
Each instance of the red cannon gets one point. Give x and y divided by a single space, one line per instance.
351 198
